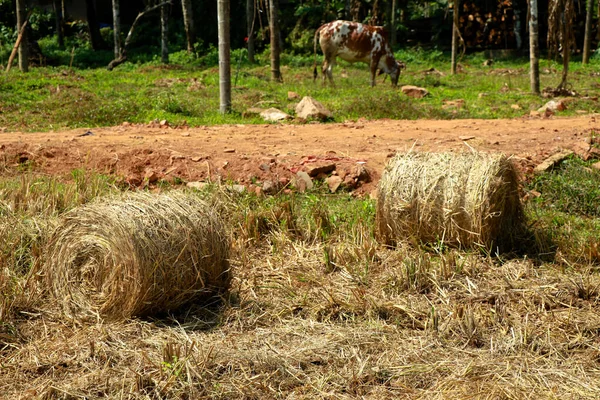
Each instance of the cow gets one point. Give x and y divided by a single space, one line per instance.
353 42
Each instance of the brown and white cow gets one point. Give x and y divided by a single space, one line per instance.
355 42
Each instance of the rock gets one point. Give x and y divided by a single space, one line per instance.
293 96
238 188
197 185
466 138
315 170
303 181
273 114
229 151
252 112
198 158
515 107
453 104
164 122
414 91
363 174
554 106
350 181
269 187
334 183
593 153
150 176
534 113
311 108
284 181
133 180
596 166
551 161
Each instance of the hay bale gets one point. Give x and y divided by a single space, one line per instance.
459 199
137 255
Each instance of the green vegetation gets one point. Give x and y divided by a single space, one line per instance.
187 90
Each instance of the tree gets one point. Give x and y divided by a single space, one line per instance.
275 45
93 27
58 15
455 32
588 31
164 34
561 14
250 15
117 27
534 50
188 22
224 56
21 25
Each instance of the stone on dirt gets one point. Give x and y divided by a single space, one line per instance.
414 91
334 183
269 187
363 174
197 185
311 108
316 170
551 161
150 176
303 181
273 114
554 106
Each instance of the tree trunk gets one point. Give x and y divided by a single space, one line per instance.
275 45
164 34
588 31
188 22
60 38
94 28
23 50
455 22
534 50
250 24
116 27
393 24
224 56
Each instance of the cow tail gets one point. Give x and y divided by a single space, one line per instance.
315 74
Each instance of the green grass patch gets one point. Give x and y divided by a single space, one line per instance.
142 89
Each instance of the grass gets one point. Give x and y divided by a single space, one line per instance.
50 98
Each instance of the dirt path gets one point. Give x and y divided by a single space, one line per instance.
255 153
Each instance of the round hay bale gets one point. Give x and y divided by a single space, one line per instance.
458 199
137 255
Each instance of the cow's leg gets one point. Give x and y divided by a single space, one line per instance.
373 67
328 64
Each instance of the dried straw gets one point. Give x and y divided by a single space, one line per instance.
137 256
459 199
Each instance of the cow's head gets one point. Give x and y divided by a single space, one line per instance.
395 73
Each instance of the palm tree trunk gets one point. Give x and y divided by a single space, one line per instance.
188 22
588 31
275 45
117 27
23 46
250 24
164 34
224 56
534 50
455 22
94 28
60 38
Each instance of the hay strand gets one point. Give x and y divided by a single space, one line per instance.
459 199
136 256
